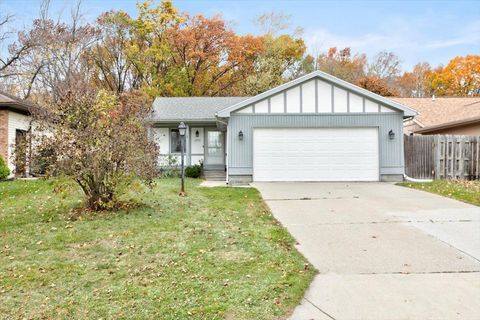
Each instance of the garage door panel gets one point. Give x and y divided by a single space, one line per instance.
321 154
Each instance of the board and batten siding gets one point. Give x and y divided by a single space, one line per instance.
315 96
390 151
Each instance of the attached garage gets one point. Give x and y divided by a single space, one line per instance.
315 128
315 154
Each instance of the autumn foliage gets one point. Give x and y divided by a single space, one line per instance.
99 140
164 52
460 77
376 85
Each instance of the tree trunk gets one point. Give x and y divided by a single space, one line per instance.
100 197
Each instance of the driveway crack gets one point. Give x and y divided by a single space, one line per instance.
309 198
418 272
319 309
384 222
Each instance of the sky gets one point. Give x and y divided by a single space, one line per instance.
416 31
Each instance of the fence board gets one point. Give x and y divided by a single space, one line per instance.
442 157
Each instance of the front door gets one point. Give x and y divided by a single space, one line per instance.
20 153
215 149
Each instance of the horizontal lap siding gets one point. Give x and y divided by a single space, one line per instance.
15 121
241 151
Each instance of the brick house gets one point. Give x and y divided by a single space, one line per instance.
14 125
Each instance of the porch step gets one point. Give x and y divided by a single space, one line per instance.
214 175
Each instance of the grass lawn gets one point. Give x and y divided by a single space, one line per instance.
215 254
466 191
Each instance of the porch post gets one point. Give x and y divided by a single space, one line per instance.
227 144
188 147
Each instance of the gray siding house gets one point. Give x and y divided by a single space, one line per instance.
314 128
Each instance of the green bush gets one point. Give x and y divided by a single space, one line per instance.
193 171
4 171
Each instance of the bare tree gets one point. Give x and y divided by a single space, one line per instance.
56 59
385 66
14 52
113 69
416 83
271 23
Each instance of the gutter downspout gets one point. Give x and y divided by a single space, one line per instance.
416 180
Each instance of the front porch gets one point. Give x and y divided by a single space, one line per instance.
205 144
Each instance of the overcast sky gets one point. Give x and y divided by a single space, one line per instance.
432 31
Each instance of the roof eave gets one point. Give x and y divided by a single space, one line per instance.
213 120
16 106
452 124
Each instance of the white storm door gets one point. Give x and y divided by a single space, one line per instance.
215 148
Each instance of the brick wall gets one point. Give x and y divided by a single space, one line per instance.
4 134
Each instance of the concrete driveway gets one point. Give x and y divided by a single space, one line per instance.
382 251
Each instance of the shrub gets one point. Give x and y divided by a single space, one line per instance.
99 140
193 171
4 171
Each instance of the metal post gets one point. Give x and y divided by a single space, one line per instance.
182 130
182 137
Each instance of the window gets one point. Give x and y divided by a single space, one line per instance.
175 142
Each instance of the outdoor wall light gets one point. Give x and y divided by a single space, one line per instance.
197 134
391 134
182 129
240 135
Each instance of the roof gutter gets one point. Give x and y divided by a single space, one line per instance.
447 125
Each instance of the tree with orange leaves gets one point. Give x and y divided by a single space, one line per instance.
208 58
460 77
377 85
342 64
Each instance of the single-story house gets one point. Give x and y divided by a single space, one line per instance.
14 125
443 115
314 128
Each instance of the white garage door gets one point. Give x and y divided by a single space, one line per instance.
318 154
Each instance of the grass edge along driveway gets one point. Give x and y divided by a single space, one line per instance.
216 254
462 190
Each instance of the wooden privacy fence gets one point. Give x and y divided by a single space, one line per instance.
442 157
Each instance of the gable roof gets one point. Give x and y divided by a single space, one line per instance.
408 112
168 109
443 112
14 103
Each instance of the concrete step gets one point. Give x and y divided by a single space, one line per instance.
215 175
215 178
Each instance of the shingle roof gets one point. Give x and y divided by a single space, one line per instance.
191 108
7 100
443 110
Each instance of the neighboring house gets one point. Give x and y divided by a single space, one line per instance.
443 115
14 125
314 128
